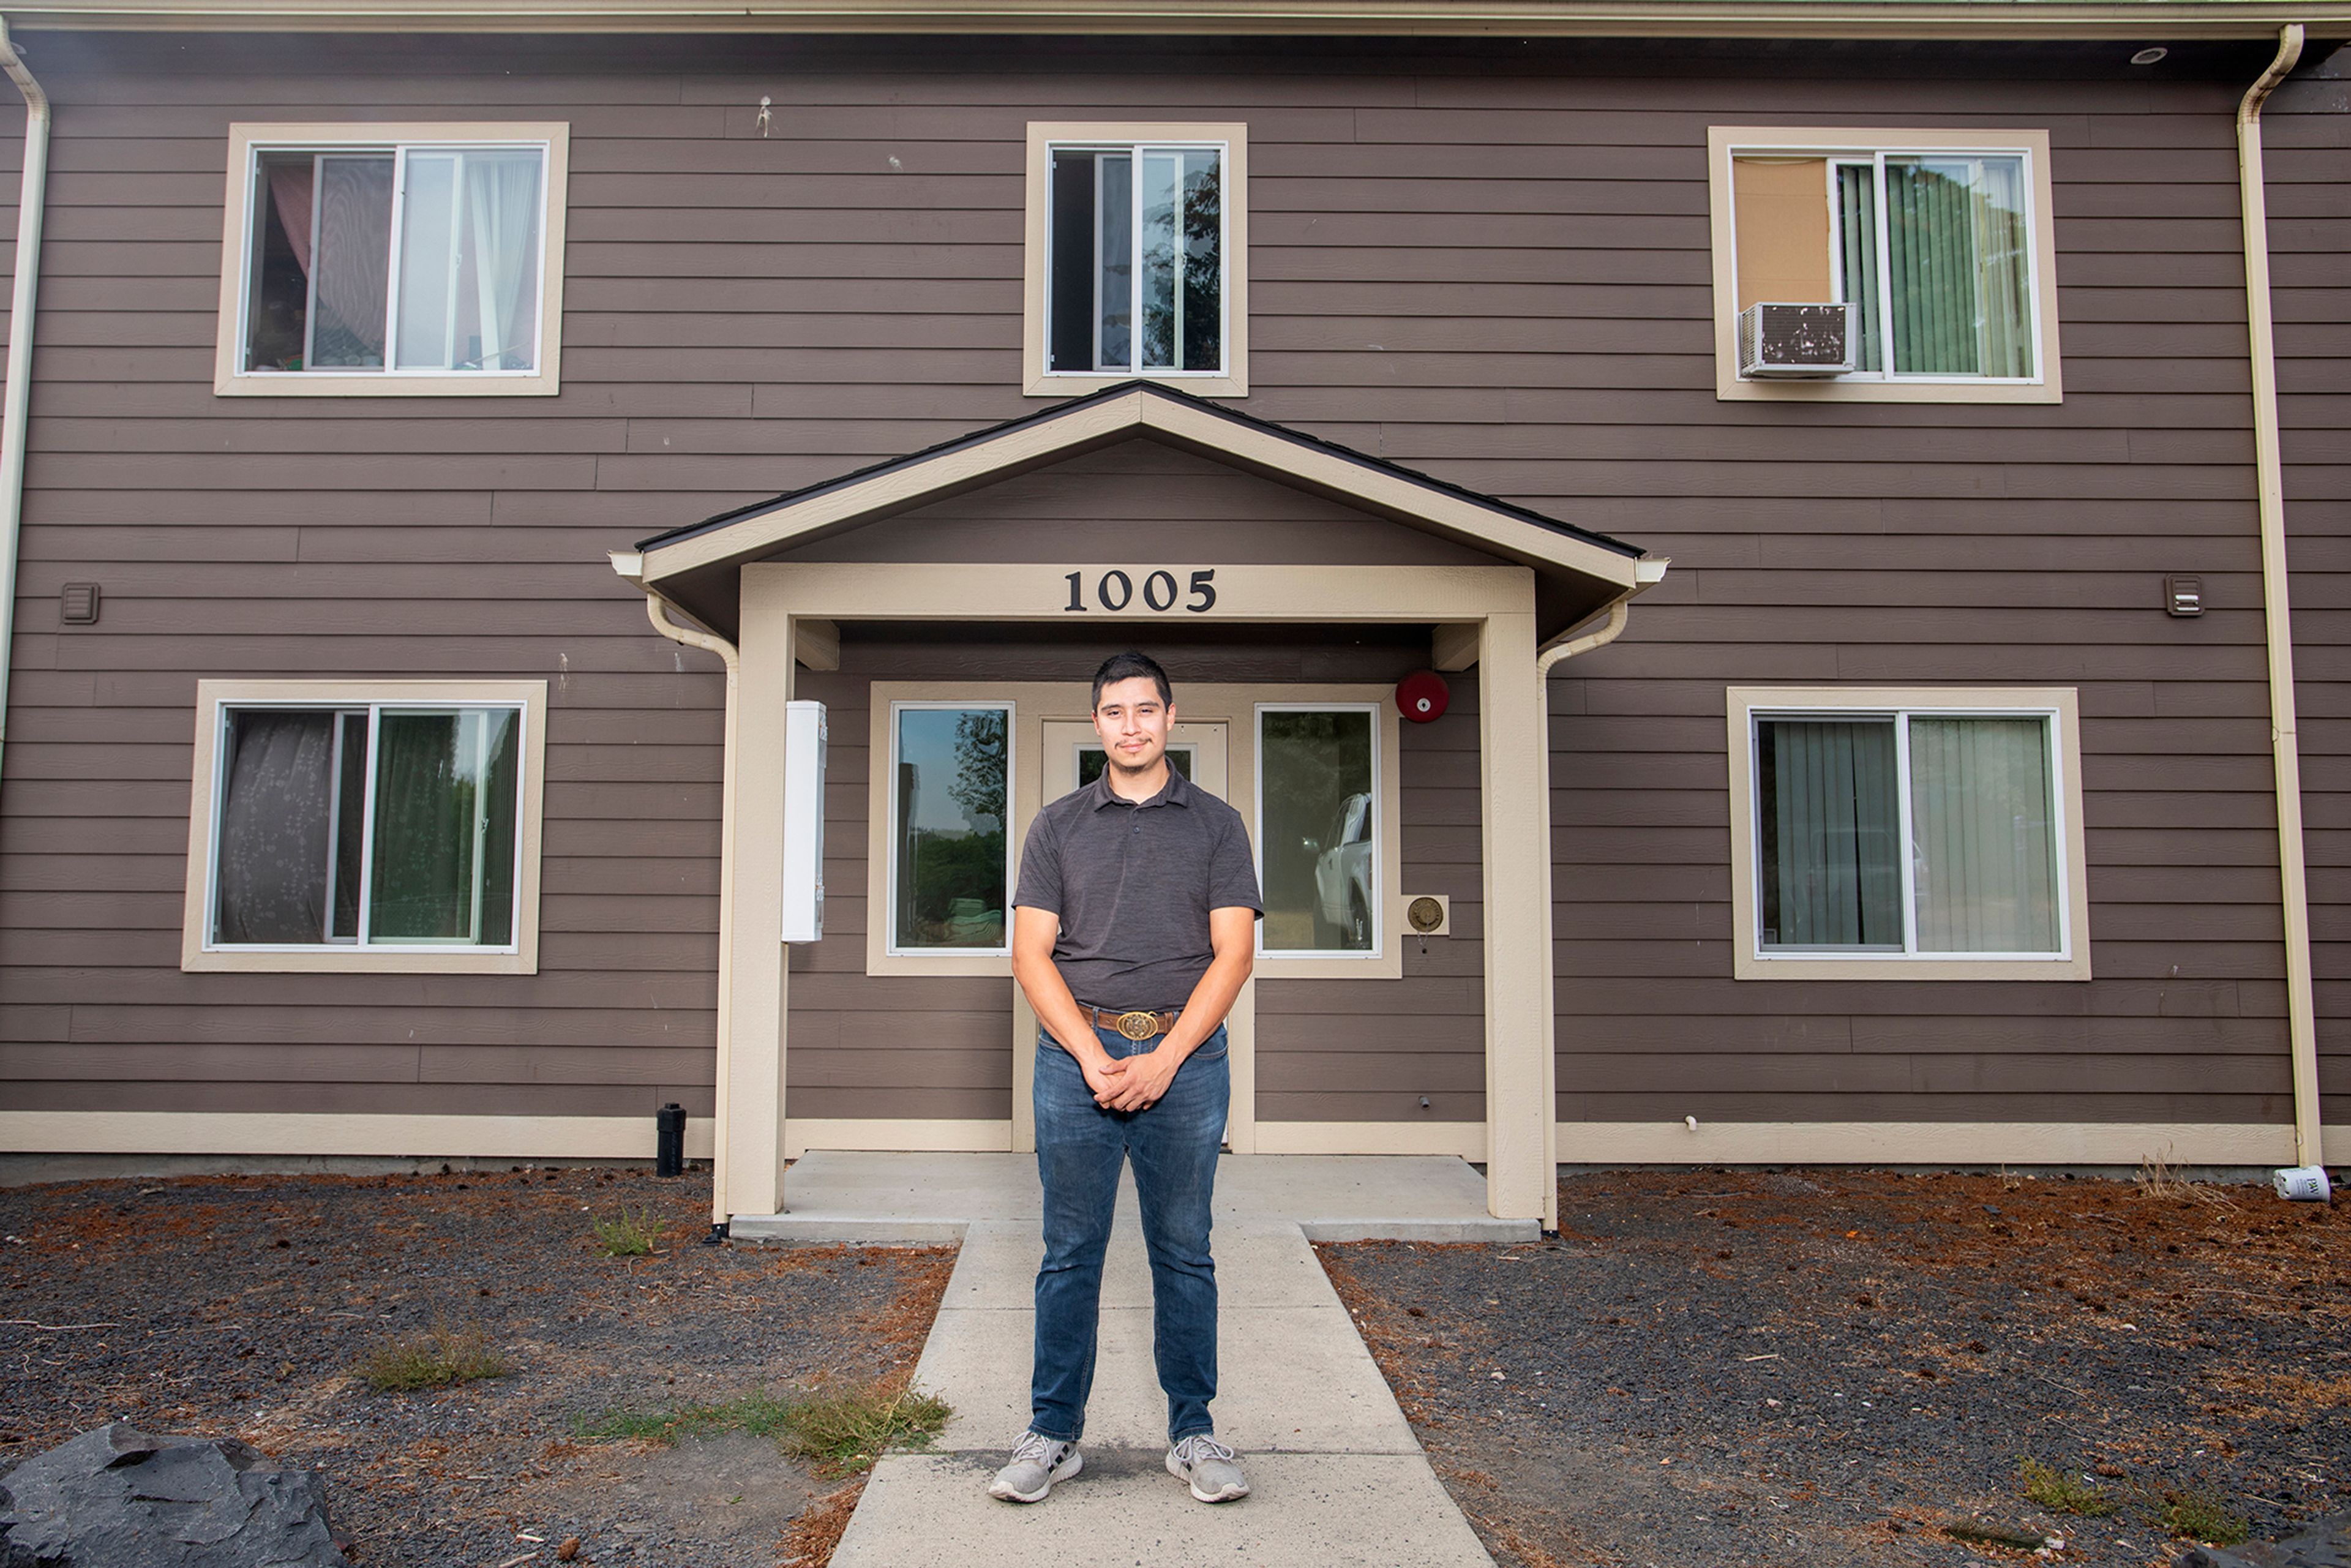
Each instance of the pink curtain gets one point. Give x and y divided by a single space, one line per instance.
289 188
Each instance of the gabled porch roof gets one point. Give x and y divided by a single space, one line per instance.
1577 571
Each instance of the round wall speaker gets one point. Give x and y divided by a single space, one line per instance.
1422 698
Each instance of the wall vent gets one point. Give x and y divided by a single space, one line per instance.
1786 341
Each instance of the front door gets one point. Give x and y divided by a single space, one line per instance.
1073 759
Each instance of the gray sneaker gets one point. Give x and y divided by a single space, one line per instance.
1038 1461
1209 1465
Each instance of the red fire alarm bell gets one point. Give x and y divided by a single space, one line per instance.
1422 698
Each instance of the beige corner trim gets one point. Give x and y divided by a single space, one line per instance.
1532 18
1467 1139
1749 960
1723 141
912 1134
1934 1143
230 380
1188 425
299 1133
1043 137
196 951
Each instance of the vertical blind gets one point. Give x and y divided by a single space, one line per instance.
1954 270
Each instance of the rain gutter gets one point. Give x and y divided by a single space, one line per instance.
17 395
1618 616
630 566
2302 1018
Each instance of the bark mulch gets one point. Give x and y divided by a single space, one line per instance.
1809 1368
240 1307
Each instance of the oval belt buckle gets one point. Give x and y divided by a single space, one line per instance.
1138 1027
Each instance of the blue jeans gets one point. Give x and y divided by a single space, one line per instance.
1080 1147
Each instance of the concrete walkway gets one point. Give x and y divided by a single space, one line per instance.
1338 1479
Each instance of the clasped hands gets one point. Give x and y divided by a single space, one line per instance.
1132 1082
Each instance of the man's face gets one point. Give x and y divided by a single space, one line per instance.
1133 723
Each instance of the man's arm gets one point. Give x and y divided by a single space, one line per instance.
1034 932
1232 937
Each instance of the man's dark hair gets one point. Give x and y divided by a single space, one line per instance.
1125 667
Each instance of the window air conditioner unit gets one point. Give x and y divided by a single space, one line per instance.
1789 341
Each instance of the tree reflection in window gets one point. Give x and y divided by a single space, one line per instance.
949 833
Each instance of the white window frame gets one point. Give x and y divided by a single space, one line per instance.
1231 141
215 701
888 901
247 142
2058 708
1386 841
1849 144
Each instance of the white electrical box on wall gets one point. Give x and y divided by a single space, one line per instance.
804 739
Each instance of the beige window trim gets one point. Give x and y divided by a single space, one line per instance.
1749 960
1043 135
1723 141
1036 703
237 228
196 951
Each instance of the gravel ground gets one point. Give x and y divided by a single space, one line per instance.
238 1306
1785 1370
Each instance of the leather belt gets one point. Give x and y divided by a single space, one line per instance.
1134 1025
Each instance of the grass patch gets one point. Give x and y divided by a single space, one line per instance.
841 1430
2053 1489
434 1359
847 1430
2160 1178
627 1234
2202 1516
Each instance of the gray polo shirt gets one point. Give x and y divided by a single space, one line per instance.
1133 883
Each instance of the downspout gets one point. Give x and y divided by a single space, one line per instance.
17 396
630 566
1547 659
2301 1023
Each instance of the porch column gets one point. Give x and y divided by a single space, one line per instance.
755 1080
1519 1178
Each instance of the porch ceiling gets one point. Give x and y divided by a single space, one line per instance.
1577 571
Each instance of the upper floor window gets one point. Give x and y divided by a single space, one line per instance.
1136 245
372 259
1934 247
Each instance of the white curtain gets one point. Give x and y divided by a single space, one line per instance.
469 261
1984 850
502 208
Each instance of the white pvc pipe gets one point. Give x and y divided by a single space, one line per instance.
17 394
2269 481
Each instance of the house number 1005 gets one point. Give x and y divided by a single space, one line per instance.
1115 590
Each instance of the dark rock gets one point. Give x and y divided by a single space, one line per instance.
1995 1532
2326 1545
120 1498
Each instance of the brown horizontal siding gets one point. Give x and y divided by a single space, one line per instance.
2308 136
1499 277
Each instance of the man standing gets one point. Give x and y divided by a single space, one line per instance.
1133 924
